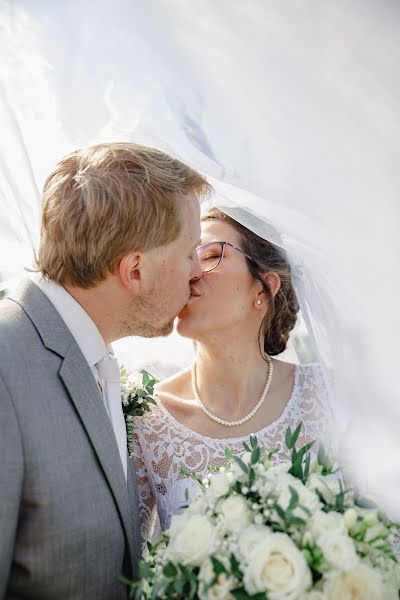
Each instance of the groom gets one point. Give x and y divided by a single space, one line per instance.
120 227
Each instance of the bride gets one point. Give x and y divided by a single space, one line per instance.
240 314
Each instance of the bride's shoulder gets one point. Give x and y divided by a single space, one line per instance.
313 375
314 386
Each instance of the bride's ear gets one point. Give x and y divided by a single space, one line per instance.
274 283
129 270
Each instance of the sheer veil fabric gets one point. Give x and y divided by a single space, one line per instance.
290 109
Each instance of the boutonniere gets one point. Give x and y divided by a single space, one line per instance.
137 396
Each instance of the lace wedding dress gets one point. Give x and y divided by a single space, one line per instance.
163 446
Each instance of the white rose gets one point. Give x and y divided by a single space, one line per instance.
220 589
250 538
323 523
277 566
339 551
360 583
219 485
235 513
192 539
328 488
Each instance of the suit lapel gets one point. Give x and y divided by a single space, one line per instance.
80 383
84 393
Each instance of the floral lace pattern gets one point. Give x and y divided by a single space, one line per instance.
163 446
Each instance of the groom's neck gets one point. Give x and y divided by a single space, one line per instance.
101 305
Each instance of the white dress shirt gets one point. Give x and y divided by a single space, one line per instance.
92 346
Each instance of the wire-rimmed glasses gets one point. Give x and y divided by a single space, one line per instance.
211 254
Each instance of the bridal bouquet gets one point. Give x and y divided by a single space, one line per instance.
273 532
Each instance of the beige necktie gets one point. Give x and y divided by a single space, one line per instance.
109 374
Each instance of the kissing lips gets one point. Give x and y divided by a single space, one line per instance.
194 293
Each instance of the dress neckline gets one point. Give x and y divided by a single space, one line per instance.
231 440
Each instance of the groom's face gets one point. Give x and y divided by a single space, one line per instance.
169 271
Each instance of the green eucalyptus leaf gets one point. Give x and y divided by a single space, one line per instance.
296 521
252 476
253 441
280 512
288 438
145 570
321 456
193 589
217 565
234 564
295 435
178 586
241 464
255 455
170 570
365 502
228 454
294 498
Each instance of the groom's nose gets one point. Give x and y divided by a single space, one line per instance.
196 272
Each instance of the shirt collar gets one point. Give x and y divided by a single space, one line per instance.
85 332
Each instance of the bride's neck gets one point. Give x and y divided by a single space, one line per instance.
232 374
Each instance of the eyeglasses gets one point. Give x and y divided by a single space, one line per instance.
211 254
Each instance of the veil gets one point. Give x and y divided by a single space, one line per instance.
291 109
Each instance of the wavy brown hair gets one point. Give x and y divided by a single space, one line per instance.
281 316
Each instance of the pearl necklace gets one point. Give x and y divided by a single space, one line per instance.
243 419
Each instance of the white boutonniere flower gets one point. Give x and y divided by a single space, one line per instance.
137 396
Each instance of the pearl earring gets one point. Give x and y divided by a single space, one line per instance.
258 301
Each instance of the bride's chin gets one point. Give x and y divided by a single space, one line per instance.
183 326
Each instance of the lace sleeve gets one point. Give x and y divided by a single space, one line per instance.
314 406
146 496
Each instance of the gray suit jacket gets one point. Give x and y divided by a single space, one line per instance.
68 521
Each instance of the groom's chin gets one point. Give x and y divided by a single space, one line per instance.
161 331
167 329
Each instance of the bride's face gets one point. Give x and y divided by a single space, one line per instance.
224 298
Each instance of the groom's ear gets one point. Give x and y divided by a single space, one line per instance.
129 270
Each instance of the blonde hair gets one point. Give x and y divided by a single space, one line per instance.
107 200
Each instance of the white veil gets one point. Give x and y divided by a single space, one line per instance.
291 108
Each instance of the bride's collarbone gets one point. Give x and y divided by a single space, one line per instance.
176 397
188 414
